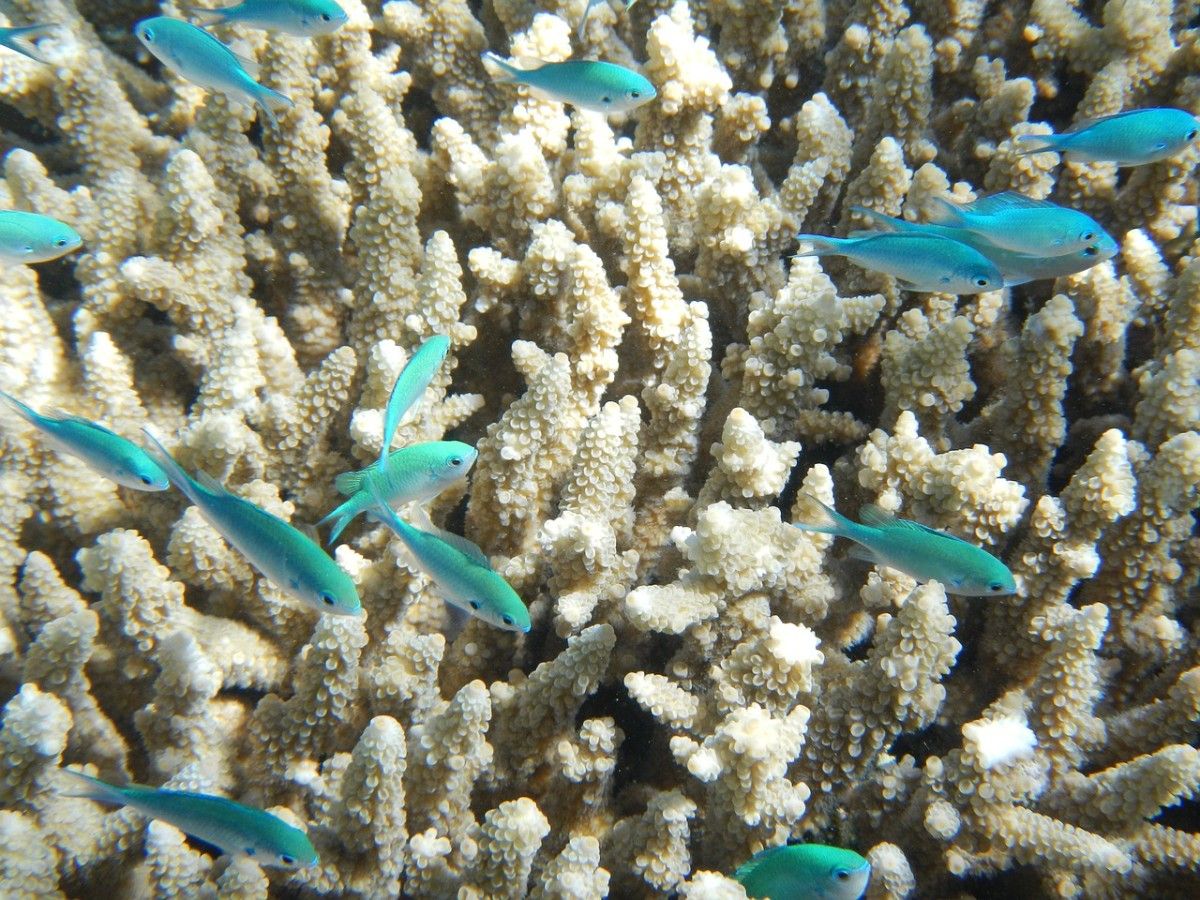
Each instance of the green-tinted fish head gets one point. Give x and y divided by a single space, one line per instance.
1101 241
984 576
632 91
452 462
48 239
502 608
974 279
326 587
321 17
140 472
283 846
848 875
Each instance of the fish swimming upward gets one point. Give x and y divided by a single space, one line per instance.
292 560
1015 222
27 238
587 11
805 872
586 83
414 378
919 262
303 18
924 553
109 454
233 828
1131 138
196 55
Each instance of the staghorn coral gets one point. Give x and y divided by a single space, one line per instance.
656 392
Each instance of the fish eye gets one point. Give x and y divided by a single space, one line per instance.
634 94
456 461
1191 135
606 100
982 282
147 480
326 598
508 620
147 34
61 242
326 17
474 604
28 249
249 851
1090 251
287 860
841 874
995 587
1089 235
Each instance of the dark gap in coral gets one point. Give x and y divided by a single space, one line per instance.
936 740
420 112
863 399
858 652
22 128
1183 816
635 764
1020 881
57 279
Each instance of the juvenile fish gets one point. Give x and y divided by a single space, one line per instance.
413 474
196 55
586 83
1015 222
919 262
232 827
27 238
1131 138
114 457
1017 268
805 872
304 18
460 570
587 10
281 552
23 40
411 384
923 553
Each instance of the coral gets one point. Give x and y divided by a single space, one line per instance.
657 391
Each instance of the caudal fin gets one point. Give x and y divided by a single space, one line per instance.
943 212
831 521
269 101
22 41
821 245
205 17
174 471
76 784
19 408
502 72
1037 143
341 517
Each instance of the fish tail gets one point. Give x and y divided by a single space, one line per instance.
341 517
20 409
881 220
206 17
943 212
1037 143
384 513
822 245
174 472
834 522
502 72
80 785
269 101
587 10
22 40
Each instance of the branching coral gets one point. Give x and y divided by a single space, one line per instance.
656 392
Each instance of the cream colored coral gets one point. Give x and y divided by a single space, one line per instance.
509 838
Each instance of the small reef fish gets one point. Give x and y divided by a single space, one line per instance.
460 570
283 553
805 872
586 83
27 238
587 11
196 55
303 18
23 40
413 474
232 827
1015 222
1131 138
919 262
924 553
111 455
1017 268
410 385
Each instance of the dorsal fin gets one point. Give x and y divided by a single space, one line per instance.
421 520
1007 200
211 484
249 63
350 482
746 869
876 516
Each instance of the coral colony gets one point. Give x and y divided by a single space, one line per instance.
755 449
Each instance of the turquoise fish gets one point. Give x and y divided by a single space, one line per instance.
602 87
587 10
805 872
919 262
27 238
461 571
413 474
232 827
303 18
1015 222
1131 138
280 551
1017 268
23 39
411 384
924 553
196 55
113 456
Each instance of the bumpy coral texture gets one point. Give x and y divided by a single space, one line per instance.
656 391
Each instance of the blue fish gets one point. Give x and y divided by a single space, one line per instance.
23 39
303 18
919 262
1131 138
602 87
196 55
1021 224
113 456
27 238
410 385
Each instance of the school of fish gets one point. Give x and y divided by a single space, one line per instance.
994 242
